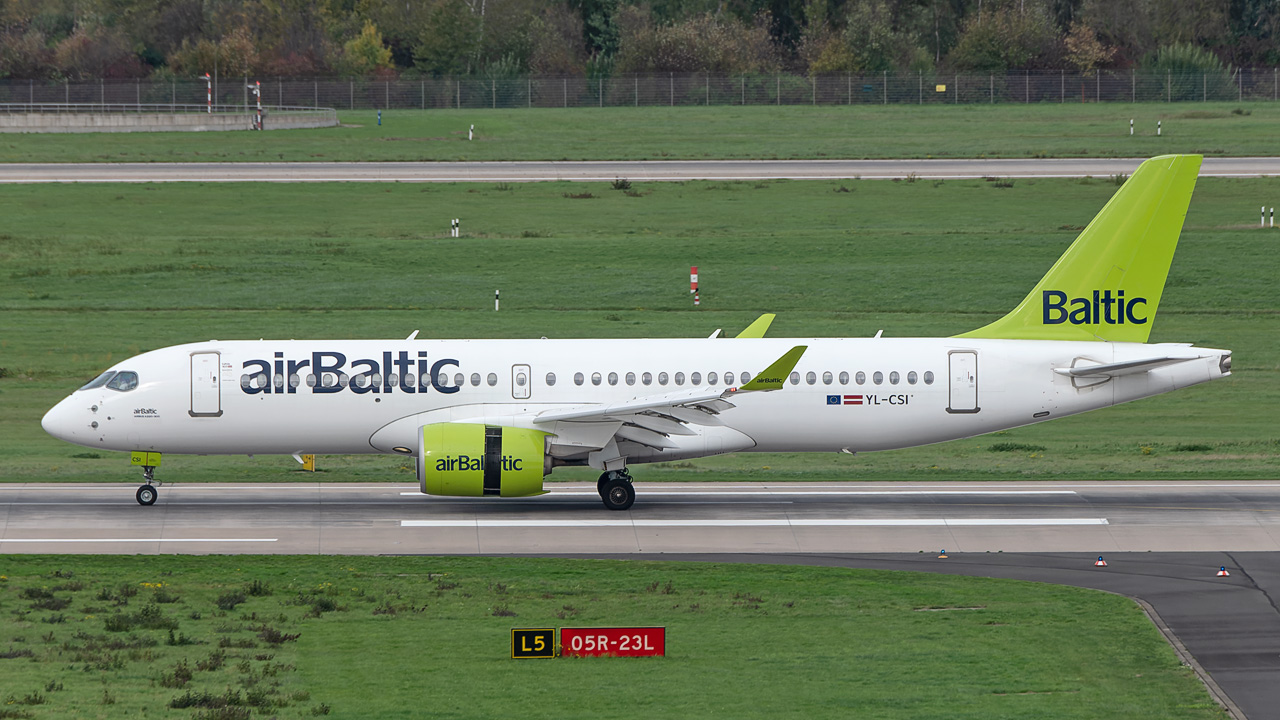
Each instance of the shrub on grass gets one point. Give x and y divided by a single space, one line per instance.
229 600
257 588
1014 447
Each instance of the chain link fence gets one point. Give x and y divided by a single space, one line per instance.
669 89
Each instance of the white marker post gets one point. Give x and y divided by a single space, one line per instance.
1262 217
455 228
1130 127
693 285
256 87
1273 217
495 300
208 92
1158 122
471 133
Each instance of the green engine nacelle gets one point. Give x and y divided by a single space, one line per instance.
467 460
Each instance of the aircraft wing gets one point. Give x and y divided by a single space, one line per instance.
652 419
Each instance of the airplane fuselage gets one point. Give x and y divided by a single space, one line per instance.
372 396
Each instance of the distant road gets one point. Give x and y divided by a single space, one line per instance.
605 170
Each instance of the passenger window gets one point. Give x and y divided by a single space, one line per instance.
458 380
376 380
551 379
911 377
795 378
327 380
126 381
613 378
631 378
711 378
679 378
860 378
877 377
826 378
728 378
745 378
894 377
278 381
101 380
492 379
343 380
811 377
578 379
695 378
844 377
475 379
595 378
357 381
646 379
662 378
928 377
246 382
311 380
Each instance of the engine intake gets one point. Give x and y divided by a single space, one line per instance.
471 460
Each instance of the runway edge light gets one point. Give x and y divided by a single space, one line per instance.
943 555
1222 572
1100 562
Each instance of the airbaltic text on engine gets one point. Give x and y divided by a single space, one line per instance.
1095 312
466 462
395 371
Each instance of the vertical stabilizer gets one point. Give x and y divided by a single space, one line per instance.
1107 285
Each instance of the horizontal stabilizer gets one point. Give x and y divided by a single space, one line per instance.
1132 367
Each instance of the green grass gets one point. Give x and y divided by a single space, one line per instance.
292 637
893 131
132 268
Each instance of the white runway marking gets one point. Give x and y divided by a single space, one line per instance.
768 522
782 491
135 540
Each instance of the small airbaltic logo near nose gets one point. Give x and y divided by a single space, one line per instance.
1102 309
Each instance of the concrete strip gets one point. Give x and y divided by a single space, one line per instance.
607 171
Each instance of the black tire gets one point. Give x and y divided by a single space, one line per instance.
618 494
147 495
604 478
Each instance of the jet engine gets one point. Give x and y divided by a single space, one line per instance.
473 460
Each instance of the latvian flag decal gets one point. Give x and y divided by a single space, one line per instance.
844 399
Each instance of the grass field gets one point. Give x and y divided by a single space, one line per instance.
893 131
136 267
296 637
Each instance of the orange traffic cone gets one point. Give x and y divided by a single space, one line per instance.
943 556
1100 562
1222 572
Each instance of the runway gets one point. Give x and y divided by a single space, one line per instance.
667 518
1163 541
606 171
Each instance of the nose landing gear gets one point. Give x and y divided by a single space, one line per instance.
147 493
616 490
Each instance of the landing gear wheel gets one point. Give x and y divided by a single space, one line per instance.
147 495
618 494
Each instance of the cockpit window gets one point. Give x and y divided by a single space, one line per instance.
99 381
123 381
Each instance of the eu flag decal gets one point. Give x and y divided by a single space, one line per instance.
833 399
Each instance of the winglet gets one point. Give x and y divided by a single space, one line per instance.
758 328
773 377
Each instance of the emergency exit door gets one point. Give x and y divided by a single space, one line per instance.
520 382
206 394
964 381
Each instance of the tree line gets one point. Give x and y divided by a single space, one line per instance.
158 39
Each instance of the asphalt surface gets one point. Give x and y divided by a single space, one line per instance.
1163 542
605 170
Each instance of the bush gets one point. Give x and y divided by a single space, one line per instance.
229 600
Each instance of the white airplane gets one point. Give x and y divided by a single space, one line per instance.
494 417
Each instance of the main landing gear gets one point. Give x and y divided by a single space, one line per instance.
147 493
616 490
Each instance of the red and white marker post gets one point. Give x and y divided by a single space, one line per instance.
693 285
208 92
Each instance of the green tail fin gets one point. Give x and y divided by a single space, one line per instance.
1107 285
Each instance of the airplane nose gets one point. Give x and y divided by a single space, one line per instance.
59 421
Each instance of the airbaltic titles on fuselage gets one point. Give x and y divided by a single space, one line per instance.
393 372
